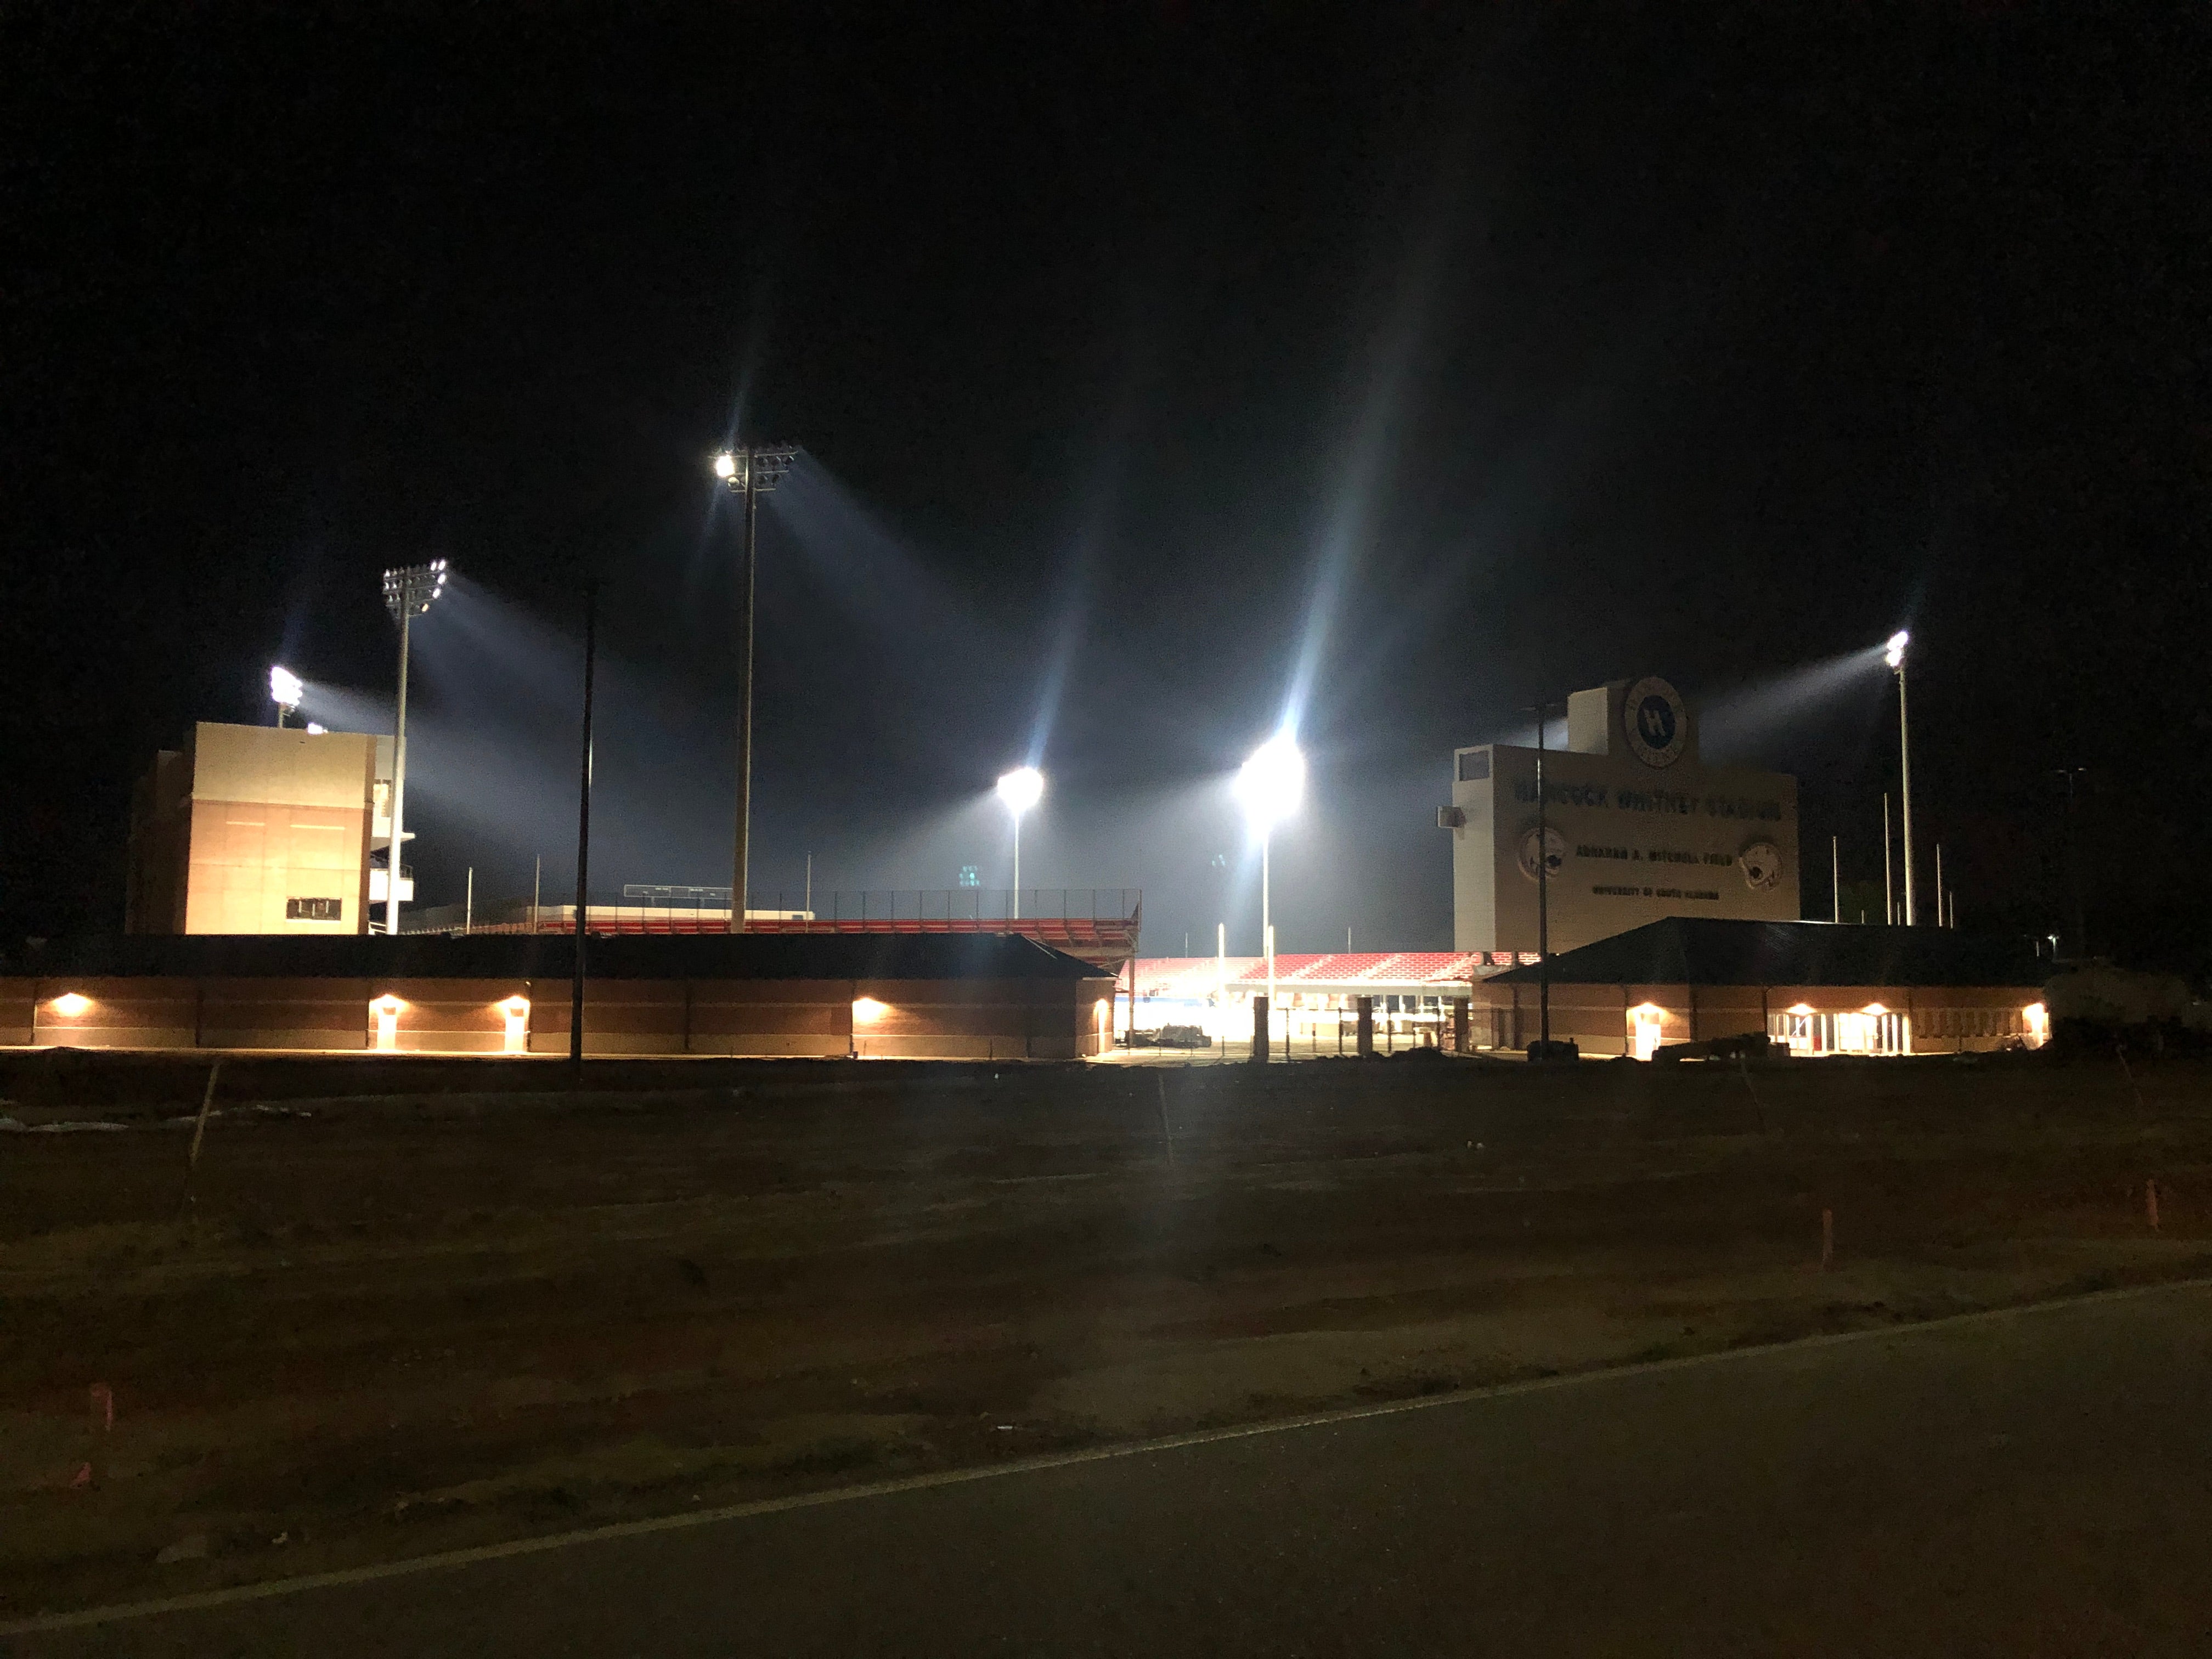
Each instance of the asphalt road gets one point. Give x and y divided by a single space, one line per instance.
2035 1484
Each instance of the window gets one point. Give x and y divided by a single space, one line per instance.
314 909
1473 765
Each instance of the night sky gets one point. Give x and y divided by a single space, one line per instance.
1160 371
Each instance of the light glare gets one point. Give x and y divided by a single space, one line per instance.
1894 653
1021 788
284 688
1272 782
69 1004
726 466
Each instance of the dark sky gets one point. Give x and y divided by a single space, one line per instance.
1159 369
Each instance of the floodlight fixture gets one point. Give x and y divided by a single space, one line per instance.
409 590
1894 653
755 469
285 691
1272 782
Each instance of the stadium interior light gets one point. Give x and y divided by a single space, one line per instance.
757 468
409 590
1272 782
1894 653
285 689
1021 789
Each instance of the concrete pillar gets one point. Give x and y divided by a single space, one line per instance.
1260 1030
1366 1007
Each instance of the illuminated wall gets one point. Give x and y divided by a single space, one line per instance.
254 829
1639 828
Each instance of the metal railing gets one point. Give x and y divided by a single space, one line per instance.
1101 921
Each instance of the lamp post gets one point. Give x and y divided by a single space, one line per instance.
409 591
1270 786
750 473
2081 940
1021 789
1893 654
285 690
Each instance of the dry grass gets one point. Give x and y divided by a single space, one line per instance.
386 1324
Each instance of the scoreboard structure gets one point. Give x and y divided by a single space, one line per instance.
1636 829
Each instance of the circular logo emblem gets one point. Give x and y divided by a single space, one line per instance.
1555 853
1762 864
1658 724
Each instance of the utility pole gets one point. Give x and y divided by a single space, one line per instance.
584 833
1543 892
1888 889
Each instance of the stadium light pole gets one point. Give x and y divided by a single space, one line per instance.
285 690
409 591
1893 654
1021 789
750 473
1270 786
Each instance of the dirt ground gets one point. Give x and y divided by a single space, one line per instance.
381 1324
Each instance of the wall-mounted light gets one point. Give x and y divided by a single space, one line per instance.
68 1004
866 1011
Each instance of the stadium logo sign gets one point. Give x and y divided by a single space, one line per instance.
1656 721
1762 865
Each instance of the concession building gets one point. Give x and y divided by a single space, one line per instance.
963 996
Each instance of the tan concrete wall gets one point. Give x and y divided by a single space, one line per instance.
274 816
18 1008
979 1019
770 1017
119 1013
153 895
284 1014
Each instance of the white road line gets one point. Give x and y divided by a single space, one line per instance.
452 1558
